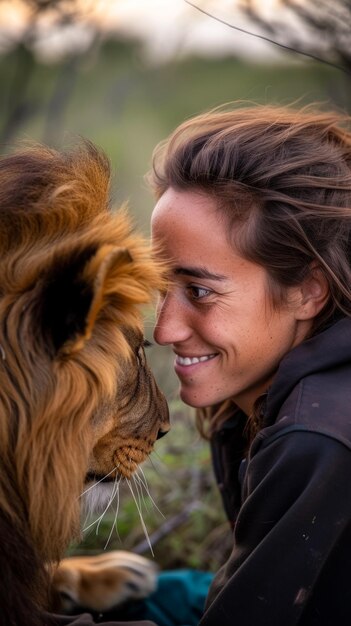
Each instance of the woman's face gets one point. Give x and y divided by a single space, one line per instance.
227 338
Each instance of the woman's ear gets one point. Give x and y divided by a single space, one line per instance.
314 293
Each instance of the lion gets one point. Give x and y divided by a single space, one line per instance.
78 404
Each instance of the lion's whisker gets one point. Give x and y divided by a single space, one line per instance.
142 478
99 519
97 482
111 498
159 465
141 516
159 459
146 487
86 519
95 521
112 495
114 524
140 493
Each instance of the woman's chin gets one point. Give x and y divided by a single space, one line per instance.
194 399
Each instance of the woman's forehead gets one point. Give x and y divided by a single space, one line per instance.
189 218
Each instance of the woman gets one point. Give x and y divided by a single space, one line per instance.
254 214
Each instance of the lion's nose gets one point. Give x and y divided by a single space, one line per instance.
162 433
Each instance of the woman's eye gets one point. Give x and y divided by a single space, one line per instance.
197 293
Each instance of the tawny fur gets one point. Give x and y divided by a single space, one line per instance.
73 275
104 581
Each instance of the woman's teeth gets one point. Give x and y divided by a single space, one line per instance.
194 359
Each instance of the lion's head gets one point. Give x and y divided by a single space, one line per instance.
77 400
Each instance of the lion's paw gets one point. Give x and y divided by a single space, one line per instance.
102 582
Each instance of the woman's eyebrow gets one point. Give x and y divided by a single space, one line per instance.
198 272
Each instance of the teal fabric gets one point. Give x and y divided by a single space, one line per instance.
179 600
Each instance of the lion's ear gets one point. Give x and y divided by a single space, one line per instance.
74 292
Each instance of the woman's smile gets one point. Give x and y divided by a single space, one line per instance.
190 366
192 360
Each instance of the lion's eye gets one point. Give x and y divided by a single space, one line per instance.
140 351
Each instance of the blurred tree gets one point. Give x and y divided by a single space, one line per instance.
318 28
17 102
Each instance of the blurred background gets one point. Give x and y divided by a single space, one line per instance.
124 73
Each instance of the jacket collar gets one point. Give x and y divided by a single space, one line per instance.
330 348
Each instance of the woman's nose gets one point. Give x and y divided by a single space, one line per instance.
171 321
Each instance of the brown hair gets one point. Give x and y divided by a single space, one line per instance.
283 175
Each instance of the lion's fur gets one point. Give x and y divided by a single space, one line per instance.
73 275
102 582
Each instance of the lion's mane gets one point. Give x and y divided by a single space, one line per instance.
72 276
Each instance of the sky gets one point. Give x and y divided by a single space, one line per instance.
168 28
